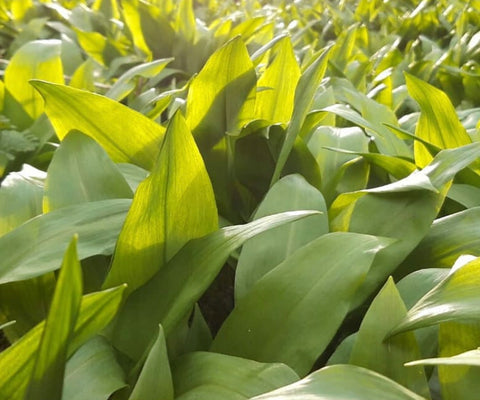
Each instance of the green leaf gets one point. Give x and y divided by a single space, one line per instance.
331 164
342 382
132 19
83 77
412 288
395 166
126 135
220 98
371 115
297 336
264 252
172 293
173 205
80 171
20 197
466 195
221 377
51 355
97 46
456 381
126 83
38 243
409 205
471 357
39 59
133 174
155 380
17 361
26 302
279 79
438 123
386 142
185 20
387 357
93 372
455 298
304 96
448 238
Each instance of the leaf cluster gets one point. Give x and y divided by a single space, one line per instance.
239 200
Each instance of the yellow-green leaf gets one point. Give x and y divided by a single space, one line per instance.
38 59
126 135
17 362
438 123
275 103
455 298
220 98
51 356
173 205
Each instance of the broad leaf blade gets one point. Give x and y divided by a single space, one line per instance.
80 171
94 362
438 123
448 238
155 380
126 135
279 80
264 252
172 293
455 298
458 382
304 96
38 243
126 83
49 369
218 376
20 197
410 205
471 357
387 357
38 59
17 362
342 382
173 205
218 98
297 336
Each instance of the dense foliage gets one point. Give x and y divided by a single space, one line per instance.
250 200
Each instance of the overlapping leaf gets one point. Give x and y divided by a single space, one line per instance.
315 280
203 374
80 171
172 293
126 135
39 242
342 382
173 205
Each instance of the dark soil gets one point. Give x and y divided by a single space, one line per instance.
3 341
217 302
